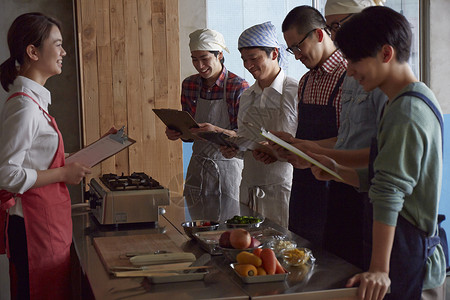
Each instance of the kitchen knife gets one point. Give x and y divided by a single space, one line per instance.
157 259
201 261
168 272
151 268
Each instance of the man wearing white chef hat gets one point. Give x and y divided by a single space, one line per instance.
207 40
347 224
211 97
339 11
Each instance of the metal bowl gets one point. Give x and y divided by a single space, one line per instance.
231 253
199 225
247 225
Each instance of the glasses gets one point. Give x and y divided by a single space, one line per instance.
296 48
335 26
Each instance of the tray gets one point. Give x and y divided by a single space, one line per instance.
178 278
209 240
262 278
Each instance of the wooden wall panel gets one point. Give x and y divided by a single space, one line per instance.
134 108
87 35
130 64
119 74
173 88
105 80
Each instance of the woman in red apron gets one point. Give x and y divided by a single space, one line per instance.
34 199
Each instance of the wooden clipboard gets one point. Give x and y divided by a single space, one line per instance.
177 120
101 149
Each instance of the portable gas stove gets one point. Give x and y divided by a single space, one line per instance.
136 198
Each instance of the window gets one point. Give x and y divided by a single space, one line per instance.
410 9
234 16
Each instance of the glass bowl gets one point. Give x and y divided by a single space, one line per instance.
279 245
298 257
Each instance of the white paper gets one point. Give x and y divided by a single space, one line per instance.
297 151
98 151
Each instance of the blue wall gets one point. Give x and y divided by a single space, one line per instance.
445 194
187 153
444 207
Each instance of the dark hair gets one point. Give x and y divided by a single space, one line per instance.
304 18
367 32
216 53
27 29
268 50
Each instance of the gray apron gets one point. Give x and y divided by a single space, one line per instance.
212 181
266 189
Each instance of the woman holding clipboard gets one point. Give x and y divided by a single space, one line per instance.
33 174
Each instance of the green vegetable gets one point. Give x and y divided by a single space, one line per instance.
243 220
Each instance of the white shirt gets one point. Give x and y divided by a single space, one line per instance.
281 96
274 108
28 140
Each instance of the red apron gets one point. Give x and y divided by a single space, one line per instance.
48 225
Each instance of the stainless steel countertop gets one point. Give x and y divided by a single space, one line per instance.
326 279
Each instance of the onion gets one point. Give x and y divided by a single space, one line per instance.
240 238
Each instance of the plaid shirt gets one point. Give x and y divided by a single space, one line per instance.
322 81
235 87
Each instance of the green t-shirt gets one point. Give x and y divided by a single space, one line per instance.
408 170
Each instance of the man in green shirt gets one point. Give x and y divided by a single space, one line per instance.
407 168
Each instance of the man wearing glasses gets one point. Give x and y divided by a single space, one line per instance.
319 94
346 221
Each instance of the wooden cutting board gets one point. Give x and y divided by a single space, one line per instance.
112 250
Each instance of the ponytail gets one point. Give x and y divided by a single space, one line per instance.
8 73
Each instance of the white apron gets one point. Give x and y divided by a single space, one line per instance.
212 181
266 188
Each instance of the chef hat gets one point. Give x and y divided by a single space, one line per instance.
207 40
262 35
343 7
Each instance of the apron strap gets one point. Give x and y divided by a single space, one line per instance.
203 176
431 105
374 144
431 242
333 93
26 95
303 89
336 89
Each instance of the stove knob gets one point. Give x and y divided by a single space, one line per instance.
161 211
94 201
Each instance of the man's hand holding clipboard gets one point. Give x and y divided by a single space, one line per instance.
293 154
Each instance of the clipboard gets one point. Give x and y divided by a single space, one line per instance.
239 142
221 139
101 149
287 146
177 120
